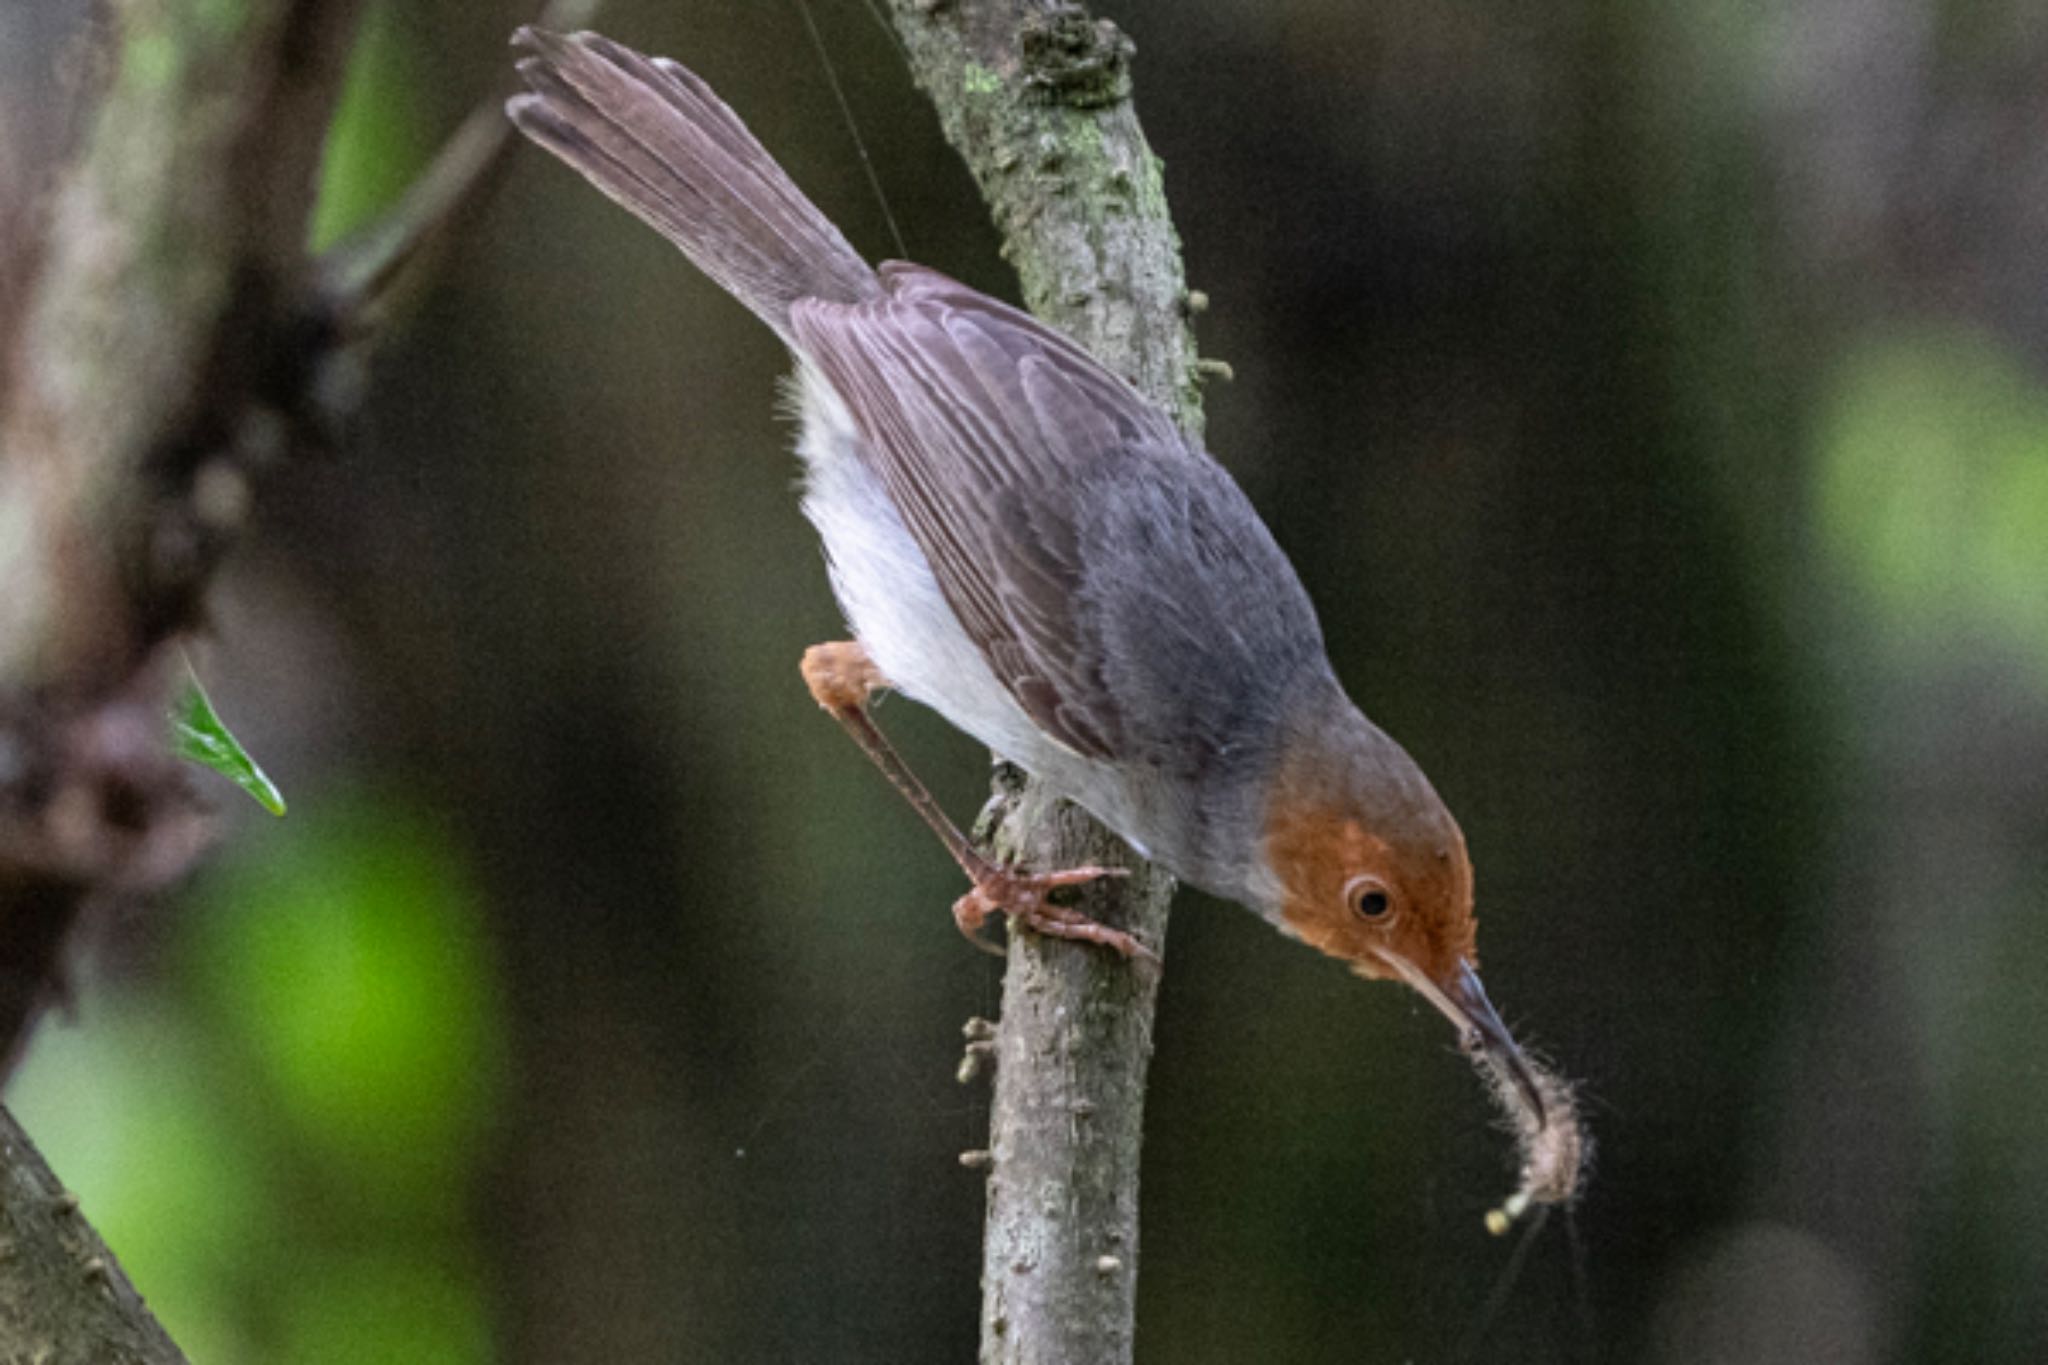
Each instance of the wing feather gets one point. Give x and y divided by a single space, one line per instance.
984 425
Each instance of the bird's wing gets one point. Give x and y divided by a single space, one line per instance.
984 426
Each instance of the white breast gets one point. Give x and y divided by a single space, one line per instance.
895 609
892 601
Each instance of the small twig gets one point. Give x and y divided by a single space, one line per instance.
360 277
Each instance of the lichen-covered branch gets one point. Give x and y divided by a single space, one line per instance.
63 1298
1036 95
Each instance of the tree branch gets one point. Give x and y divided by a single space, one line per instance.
1036 96
173 340
179 341
168 351
63 1298
165 310
162 351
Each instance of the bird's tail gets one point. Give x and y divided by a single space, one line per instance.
653 137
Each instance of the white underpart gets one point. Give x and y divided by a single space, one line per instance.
895 608
886 588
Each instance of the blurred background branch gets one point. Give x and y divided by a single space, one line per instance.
166 350
158 350
168 336
1036 96
157 346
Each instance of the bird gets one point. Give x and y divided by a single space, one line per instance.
1022 542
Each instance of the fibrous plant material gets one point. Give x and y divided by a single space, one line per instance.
1555 1150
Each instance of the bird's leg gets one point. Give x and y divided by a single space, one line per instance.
842 677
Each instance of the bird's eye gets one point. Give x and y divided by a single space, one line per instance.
1367 897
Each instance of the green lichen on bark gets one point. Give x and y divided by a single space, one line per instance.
1084 63
976 79
1036 97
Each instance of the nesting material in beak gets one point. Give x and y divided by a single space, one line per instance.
1553 1145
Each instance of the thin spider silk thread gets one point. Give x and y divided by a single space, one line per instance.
860 145
1489 1313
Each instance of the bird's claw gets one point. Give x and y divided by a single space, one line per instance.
1022 896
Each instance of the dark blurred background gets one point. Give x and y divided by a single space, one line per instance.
1652 395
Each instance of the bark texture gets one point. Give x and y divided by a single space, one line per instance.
63 1298
1036 95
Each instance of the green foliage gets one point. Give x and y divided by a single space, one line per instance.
149 60
198 734
386 1308
377 143
126 1112
1932 489
279 1131
352 960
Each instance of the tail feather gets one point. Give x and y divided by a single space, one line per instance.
652 136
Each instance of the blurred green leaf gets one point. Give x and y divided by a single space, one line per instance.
198 734
1933 488
350 959
128 1111
283 1148
374 1309
377 143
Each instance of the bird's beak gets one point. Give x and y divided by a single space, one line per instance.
1462 1000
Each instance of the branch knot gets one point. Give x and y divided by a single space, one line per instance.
1081 62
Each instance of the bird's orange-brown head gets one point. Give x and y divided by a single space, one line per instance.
1370 867
1368 896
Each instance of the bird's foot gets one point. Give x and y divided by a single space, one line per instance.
1023 897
